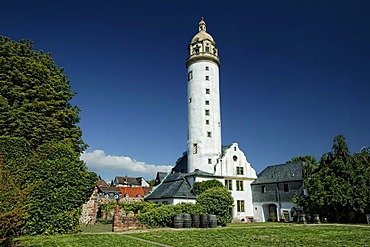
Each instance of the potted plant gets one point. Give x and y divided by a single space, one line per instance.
272 217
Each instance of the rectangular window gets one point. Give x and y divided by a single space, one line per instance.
208 91
207 121
207 112
286 188
263 189
195 148
207 77
239 185
190 75
209 134
207 68
240 206
229 184
207 102
207 48
239 170
209 161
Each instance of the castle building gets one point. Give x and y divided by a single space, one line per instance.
206 158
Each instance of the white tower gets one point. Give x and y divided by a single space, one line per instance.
204 126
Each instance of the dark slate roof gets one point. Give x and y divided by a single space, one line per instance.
128 180
199 173
175 185
160 177
181 163
291 171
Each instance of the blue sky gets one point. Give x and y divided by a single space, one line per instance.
294 74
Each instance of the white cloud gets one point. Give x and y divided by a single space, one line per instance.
109 166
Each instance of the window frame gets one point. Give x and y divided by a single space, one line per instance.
229 184
239 185
239 170
240 206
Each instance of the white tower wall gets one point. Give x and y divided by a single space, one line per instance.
204 120
204 126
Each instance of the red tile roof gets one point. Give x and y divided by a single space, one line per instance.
133 191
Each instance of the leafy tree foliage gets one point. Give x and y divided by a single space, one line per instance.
217 201
13 204
64 184
34 97
338 184
200 187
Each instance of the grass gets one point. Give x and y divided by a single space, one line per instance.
259 234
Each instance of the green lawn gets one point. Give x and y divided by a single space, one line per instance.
258 234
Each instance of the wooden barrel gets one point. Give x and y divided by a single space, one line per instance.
187 220
204 220
212 219
177 221
196 220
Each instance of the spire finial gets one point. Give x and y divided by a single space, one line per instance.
202 25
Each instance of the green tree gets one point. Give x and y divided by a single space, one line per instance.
64 184
338 184
217 201
34 97
200 187
14 202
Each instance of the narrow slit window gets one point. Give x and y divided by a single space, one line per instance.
208 91
195 148
207 112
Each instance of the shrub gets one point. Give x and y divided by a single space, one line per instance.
158 217
200 187
217 201
188 208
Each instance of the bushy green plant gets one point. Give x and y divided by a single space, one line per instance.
158 217
188 208
217 201
14 202
63 185
200 187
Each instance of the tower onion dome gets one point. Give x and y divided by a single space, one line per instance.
202 47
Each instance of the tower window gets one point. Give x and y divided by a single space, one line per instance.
207 77
207 102
207 121
239 185
207 48
207 112
209 161
190 75
207 68
209 134
208 91
189 100
195 148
